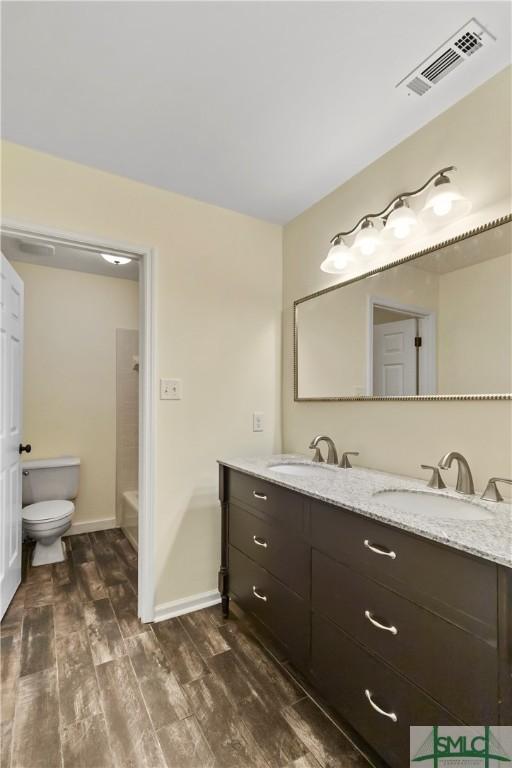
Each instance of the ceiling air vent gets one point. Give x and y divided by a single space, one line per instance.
457 50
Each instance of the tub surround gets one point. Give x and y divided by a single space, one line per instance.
354 489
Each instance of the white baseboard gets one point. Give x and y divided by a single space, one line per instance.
186 605
88 526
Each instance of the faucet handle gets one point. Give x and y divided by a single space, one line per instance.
491 492
345 461
318 458
436 481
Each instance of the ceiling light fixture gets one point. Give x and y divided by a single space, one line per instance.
114 259
444 202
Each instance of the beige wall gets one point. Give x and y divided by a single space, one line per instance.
474 135
218 327
69 404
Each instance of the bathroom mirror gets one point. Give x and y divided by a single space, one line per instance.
434 325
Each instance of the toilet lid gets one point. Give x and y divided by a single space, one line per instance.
47 510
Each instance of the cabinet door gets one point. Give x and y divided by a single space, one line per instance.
283 612
377 702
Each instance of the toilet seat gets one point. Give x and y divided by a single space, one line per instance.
47 511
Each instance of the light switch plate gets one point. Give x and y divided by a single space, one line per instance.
257 421
170 389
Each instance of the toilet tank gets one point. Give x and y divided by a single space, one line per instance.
46 479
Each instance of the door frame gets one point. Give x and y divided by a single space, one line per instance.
147 399
427 322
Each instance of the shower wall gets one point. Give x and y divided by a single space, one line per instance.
127 427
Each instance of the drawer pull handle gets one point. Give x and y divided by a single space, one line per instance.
260 542
380 550
391 715
386 627
259 495
259 595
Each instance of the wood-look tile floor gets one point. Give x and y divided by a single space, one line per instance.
85 685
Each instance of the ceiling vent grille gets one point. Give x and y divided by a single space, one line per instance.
457 50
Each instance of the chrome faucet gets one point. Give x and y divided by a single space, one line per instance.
332 454
464 476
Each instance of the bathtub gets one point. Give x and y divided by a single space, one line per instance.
130 517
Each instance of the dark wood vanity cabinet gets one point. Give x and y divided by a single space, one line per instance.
392 629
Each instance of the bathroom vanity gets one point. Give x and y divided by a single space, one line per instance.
395 618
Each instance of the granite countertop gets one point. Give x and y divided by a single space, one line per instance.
354 489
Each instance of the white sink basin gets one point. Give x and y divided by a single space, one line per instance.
299 470
433 505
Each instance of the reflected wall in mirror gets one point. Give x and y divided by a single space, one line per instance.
437 324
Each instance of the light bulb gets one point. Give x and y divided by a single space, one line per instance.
337 259
114 259
367 239
401 221
445 199
442 205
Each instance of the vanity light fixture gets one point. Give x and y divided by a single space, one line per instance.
114 259
444 202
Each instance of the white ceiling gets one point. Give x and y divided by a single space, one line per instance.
67 257
261 107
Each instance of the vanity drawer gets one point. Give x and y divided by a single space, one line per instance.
344 672
456 586
268 499
458 669
283 612
280 552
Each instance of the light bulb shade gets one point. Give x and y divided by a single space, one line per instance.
115 259
401 222
446 201
367 239
337 259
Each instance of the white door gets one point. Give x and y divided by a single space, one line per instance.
11 370
394 358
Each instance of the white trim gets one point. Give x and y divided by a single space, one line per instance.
427 318
88 526
147 257
186 605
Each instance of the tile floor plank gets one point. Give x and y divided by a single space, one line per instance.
90 583
39 587
162 694
184 659
5 744
9 672
85 744
278 742
132 739
103 631
184 745
68 616
36 737
273 684
124 603
228 737
13 616
78 687
307 761
37 640
321 737
81 548
111 569
204 634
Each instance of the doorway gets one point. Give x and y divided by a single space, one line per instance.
50 242
401 350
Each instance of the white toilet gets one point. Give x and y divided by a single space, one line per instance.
47 489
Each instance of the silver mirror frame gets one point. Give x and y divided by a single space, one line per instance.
367 398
